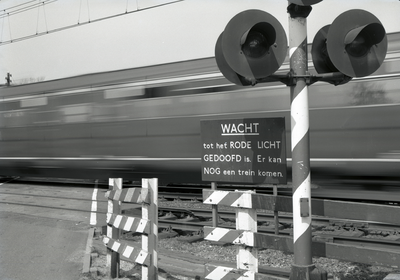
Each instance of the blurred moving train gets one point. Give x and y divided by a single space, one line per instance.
145 122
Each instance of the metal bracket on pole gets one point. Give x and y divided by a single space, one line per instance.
290 79
335 78
304 209
298 11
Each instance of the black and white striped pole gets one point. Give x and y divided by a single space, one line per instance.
303 267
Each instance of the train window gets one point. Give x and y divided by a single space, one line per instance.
203 89
391 66
76 113
33 102
46 117
111 111
362 91
128 93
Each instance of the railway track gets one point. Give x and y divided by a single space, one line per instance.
189 222
194 215
379 191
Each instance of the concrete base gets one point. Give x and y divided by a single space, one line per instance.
392 276
307 273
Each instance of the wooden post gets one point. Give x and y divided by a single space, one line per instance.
150 241
246 219
113 260
214 207
276 214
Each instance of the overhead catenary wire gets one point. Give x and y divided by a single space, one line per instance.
12 11
12 7
27 37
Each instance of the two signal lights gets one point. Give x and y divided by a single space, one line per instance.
253 46
355 44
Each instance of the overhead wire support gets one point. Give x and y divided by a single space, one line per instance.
38 16
9 27
82 23
127 5
88 11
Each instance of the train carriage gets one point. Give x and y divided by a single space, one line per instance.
145 122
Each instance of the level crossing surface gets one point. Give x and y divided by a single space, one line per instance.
44 229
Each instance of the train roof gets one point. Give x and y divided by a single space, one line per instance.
201 66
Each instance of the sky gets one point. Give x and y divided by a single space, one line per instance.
144 36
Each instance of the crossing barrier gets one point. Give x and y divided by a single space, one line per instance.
147 256
249 241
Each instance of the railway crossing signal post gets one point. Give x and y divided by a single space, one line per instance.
303 267
253 46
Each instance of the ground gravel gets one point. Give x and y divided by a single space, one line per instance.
272 258
337 270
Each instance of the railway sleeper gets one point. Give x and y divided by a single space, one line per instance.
193 237
168 232
341 232
348 224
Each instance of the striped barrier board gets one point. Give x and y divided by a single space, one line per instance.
249 238
129 252
227 273
248 200
213 272
217 234
131 195
128 223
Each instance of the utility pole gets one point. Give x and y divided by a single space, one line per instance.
8 79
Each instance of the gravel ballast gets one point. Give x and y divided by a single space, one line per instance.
207 252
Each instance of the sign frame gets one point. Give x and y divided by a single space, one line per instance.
247 150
